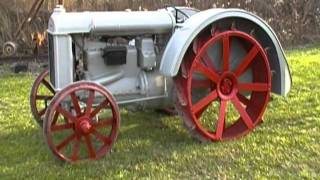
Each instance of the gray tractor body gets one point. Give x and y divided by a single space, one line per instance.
135 55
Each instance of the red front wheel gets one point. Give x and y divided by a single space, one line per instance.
225 85
82 122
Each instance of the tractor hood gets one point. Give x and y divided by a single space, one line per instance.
111 23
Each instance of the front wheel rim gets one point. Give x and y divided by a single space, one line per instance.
87 136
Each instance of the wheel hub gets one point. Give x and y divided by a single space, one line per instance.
9 48
227 86
84 126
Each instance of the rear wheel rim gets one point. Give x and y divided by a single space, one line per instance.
225 87
80 132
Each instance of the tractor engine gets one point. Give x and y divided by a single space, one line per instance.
119 50
128 66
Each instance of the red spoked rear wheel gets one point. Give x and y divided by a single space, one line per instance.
225 85
41 94
82 122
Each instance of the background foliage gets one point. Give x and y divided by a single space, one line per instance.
296 22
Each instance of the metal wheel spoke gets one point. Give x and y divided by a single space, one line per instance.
103 123
101 137
75 102
247 60
48 85
43 97
221 120
243 99
55 128
91 151
199 114
55 119
259 87
65 142
42 112
66 114
210 74
226 52
243 113
75 149
208 62
204 102
90 102
104 104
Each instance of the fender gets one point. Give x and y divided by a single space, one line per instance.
185 34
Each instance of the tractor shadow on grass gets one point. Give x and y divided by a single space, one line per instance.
150 136
154 129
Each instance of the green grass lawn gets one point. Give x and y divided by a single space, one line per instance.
155 146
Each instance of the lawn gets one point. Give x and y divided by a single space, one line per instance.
151 145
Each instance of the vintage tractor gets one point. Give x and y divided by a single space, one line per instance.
216 67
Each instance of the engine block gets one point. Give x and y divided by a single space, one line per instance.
121 50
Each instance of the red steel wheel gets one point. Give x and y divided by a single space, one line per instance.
227 86
41 94
82 122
